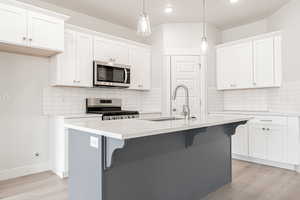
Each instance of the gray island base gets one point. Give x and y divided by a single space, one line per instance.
183 165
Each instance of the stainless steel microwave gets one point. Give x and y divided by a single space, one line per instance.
111 74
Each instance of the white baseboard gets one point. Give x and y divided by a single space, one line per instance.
266 162
23 171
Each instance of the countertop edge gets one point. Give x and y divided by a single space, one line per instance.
155 132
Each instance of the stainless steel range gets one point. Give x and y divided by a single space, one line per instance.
111 109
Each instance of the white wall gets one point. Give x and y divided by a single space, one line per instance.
23 129
24 97
245 31
286 98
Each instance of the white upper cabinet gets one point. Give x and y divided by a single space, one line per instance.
264 62
111 51
45 32
140 62
24 26
13 26
250 63
65 66
74 67
228 58
85 59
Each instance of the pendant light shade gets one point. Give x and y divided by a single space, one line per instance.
144 27
204 42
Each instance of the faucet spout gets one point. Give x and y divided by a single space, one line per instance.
186 107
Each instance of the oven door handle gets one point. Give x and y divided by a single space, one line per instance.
126 75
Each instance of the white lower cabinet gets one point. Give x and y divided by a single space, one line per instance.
240 141
269 140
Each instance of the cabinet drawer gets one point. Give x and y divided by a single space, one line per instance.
270 120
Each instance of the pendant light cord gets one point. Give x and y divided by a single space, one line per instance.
144 6
204 18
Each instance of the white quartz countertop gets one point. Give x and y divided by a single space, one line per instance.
134 128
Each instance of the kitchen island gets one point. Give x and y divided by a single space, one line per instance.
150 159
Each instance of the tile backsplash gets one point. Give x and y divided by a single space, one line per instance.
215 99
64 100
283 99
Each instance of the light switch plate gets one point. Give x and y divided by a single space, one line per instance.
94 142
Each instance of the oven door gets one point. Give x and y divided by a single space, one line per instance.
111 75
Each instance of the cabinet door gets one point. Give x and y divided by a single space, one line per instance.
84 60
278 60
240 141
235 66
225 70
257 141
110 51
264 62
275 142
66 64
45 32
242 61
140 61
13 26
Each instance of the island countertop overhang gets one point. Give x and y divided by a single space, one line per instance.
135 128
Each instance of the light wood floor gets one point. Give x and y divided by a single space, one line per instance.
250 182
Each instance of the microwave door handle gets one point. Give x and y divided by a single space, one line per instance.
126 75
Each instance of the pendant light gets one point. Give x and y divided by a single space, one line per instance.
204 42
143 27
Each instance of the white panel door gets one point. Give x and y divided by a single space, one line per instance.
13 26
275 142
186 70
264 74
140 61
257 141
84 60
67 65
110 51
45 32
240 141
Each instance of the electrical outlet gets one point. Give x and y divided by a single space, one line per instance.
94 142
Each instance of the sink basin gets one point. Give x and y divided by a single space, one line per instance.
161 119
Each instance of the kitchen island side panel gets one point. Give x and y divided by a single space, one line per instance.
85 167
163 168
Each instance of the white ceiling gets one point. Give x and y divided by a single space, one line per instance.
220 12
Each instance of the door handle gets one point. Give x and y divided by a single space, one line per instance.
126 75
266 120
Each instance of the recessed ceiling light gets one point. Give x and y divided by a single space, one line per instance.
234 1
168 9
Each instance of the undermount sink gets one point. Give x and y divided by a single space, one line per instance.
165 119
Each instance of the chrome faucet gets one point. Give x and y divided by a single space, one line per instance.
186 108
